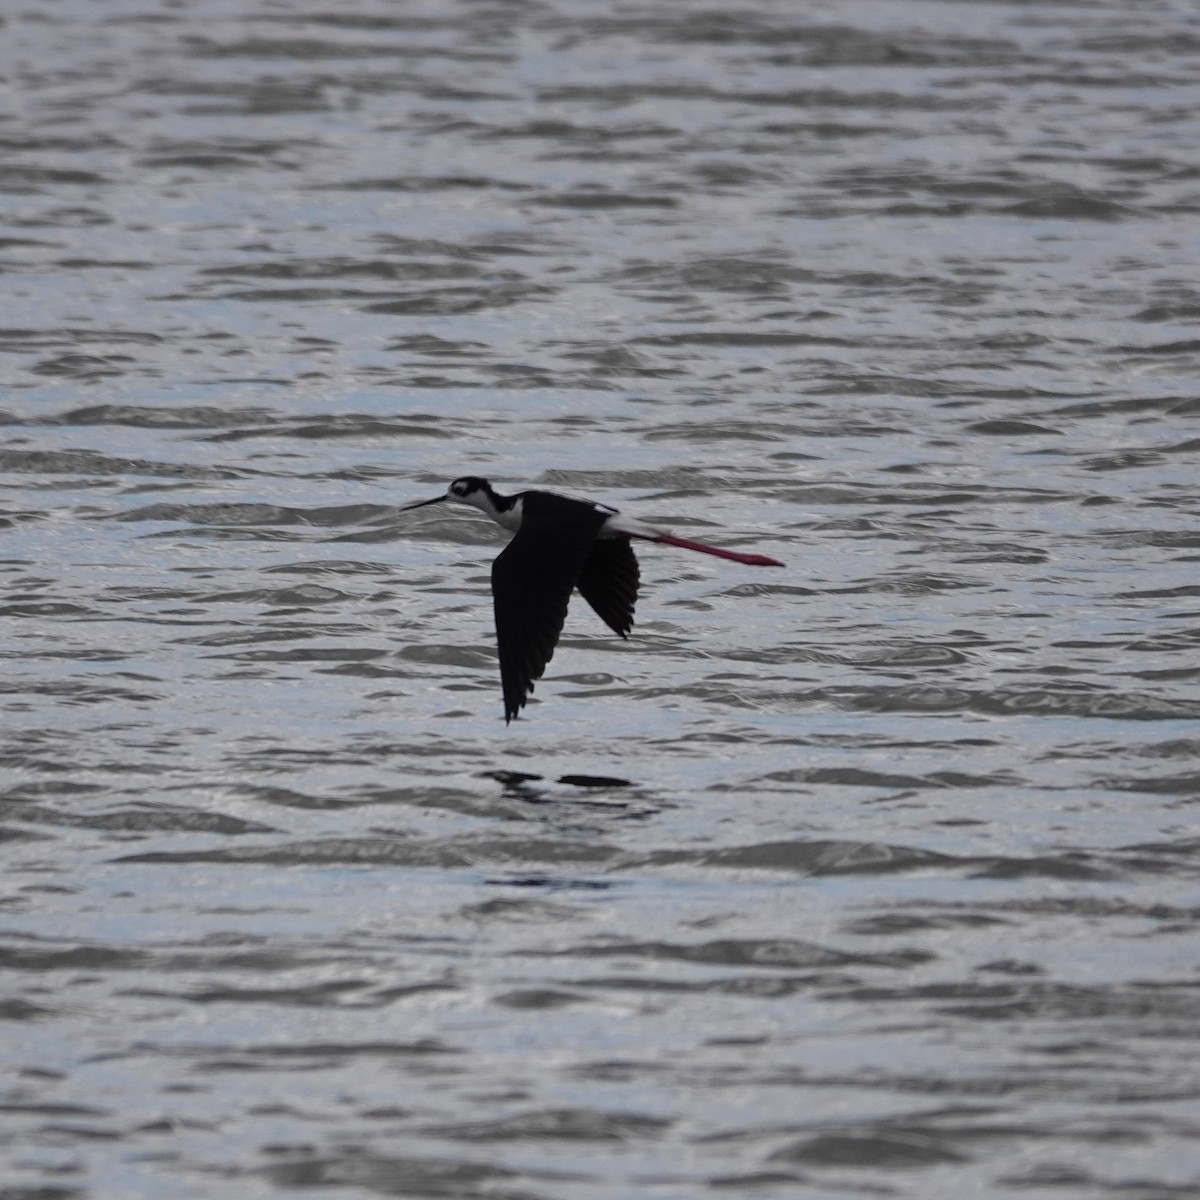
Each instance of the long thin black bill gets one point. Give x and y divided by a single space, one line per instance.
422 503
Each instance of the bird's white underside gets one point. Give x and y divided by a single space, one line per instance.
618 524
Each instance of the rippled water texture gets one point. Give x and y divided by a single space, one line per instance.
875 876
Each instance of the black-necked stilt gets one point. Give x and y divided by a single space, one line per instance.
561 543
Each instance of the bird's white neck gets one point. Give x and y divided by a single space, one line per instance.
508 518
489 503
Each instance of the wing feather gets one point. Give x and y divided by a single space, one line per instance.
532 581
609 582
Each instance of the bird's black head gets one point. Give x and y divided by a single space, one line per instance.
468 485
470 489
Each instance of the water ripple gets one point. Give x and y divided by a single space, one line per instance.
870 876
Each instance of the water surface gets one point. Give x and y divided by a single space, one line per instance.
872 876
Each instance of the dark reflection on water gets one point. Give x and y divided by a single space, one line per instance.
874 877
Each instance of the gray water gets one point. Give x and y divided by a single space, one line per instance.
874 876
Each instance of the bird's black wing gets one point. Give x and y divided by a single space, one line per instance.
532 581
609 582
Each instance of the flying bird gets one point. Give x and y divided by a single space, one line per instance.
561 543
